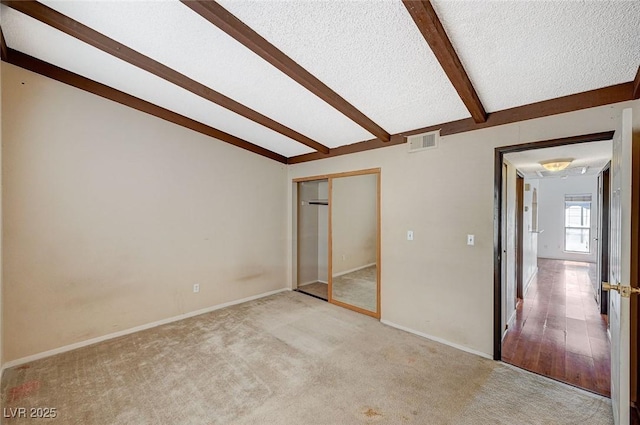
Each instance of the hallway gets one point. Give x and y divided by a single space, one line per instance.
558 331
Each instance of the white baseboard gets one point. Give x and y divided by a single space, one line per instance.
91 341
436 339
511 320
354 270
528 284
312 282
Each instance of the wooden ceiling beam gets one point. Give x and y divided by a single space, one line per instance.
67 77
82 32
575 102
3 46
433 32
636 85
234 27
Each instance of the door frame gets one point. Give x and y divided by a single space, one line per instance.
329 178
604 200
497 218
298 209
519 235
635 278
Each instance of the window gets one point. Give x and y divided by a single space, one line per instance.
577 223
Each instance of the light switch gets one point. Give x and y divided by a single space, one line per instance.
470 240
409 235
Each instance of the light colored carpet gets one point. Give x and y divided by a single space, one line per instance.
318 289
288 359
357 288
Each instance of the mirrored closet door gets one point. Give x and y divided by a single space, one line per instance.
337 230
354 223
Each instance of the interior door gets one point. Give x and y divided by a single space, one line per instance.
620 268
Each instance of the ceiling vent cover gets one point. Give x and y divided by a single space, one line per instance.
421 142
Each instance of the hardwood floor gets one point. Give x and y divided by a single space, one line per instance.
558 331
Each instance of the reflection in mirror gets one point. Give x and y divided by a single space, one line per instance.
354 234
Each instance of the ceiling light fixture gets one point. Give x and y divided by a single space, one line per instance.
556 164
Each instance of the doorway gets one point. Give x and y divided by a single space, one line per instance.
556 328
337 240
312 231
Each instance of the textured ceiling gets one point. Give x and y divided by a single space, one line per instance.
520 52
593 155
76 56
371 53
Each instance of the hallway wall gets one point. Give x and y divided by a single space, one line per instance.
551 216
529 237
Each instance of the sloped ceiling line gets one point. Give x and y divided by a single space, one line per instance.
67 77
433 32
235 28
75 29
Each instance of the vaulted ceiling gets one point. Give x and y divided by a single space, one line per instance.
304 80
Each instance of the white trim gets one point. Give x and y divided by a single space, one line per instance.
311 282
436 339
528 285
354 270
102 338
510 321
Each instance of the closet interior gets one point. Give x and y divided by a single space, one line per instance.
313 234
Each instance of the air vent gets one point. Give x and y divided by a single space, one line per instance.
424 141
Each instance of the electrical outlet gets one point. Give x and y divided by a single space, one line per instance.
409 235
196 287
471 240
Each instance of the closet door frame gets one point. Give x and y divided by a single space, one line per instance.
329 178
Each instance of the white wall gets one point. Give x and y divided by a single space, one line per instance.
354 222
529 238
436 284
112 215
551 215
